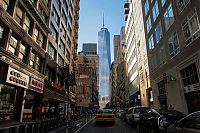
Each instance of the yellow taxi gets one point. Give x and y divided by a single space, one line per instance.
105 115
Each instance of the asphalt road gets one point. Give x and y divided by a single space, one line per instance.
119 127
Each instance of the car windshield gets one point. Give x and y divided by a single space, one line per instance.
105 111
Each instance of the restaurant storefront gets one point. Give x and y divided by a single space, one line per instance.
12 90
33 100
55 99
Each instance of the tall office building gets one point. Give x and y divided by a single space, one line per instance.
90 51
104 60
172 30
132 55
90 48
141 83
116 41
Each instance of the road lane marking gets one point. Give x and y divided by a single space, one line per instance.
84 125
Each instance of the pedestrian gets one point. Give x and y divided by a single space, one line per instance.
171 107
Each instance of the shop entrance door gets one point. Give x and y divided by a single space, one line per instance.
193 101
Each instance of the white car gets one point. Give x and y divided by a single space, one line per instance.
119 113
133 115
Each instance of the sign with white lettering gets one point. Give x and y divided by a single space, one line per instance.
17 78
36 85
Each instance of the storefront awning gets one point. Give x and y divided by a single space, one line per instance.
49 94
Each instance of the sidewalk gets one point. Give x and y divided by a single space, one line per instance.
79 124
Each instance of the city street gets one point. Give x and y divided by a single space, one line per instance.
119 127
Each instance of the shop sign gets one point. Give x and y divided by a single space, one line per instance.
36 85
57 86
192 88
17 78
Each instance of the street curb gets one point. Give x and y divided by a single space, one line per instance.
84 125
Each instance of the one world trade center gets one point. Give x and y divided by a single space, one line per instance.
104 61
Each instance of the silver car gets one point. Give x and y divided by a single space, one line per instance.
189 124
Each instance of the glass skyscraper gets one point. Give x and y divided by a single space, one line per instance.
104 61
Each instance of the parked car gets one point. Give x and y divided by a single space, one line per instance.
157 120
124 112
119 113
189 124
105 115
132 116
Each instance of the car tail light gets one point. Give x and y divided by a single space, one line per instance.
98 116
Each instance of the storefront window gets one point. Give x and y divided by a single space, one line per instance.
7 99
29 103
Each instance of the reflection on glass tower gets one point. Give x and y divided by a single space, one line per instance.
104 61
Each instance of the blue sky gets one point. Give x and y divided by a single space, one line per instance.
90 22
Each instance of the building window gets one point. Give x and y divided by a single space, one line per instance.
41 40
65 5
62 46
162 55
169 17
69 42
38 63
146 7
151 42
18 15
173 44
58 3
163 2
22 53
69 29
71 7
54 32
190 75
155 11
68 55
158 32
51 51
60 61
4 4
1 32
27 23
64 32
35 34
70 18
64 17
181 4
55 15
12 45
148 23
32 59
191 29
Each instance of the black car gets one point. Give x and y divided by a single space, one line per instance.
189 124
157 120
